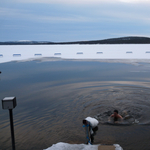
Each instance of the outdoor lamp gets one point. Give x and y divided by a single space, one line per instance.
10 103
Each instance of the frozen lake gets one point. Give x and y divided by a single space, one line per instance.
61 85
29 52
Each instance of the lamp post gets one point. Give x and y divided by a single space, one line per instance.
10 103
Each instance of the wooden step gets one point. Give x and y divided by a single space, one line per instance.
106 147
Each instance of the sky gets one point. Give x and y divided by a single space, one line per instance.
73 20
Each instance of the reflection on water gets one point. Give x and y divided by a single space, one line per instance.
54 97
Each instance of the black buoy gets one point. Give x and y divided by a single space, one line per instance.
0 72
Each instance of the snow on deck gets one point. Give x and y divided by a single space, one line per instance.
66 146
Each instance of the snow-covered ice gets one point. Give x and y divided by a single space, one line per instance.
115 51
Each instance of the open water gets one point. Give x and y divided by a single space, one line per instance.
53 97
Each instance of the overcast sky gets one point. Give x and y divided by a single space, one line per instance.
73 20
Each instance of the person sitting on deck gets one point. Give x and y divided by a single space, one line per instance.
91 126
116 117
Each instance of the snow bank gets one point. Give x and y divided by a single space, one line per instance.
66 146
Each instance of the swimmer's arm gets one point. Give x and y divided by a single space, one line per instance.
120 117
110 117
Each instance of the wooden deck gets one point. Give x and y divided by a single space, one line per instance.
106 147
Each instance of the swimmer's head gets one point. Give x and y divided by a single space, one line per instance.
115 111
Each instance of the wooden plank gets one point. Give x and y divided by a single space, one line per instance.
106 147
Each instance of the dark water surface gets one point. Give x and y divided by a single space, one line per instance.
53 98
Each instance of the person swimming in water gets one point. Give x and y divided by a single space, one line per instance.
116 117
